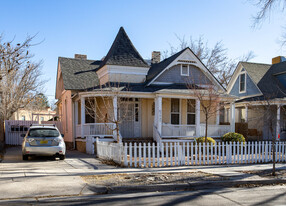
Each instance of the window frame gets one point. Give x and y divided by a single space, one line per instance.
188 70
239 83
179 112
194 113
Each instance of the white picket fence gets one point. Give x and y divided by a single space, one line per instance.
180 154
110 151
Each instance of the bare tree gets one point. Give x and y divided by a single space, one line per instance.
265 9
101 107
19 77
207 94
265 110
215 58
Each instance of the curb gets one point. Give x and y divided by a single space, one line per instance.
179 187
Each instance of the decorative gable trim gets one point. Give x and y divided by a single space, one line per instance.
188 57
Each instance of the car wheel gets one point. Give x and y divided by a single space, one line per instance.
25 157
62 157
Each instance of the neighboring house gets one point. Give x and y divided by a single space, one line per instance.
158 104
34 115
257 85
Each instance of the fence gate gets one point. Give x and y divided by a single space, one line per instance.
14 129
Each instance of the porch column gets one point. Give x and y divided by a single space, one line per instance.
232 116
217 115
278 121
82 117
198 118
76 113
159 117
115 113
246 113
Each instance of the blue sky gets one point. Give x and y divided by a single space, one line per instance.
89 27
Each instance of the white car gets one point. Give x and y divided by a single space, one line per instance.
43 140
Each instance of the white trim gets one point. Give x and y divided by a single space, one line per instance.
188 70
245 76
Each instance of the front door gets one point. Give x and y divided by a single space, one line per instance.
130 126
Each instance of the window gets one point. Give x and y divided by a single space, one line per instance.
184 70
42 118
136 112
23 118
175 111
242 82
191 111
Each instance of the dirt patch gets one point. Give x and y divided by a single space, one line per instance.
150 179
280 174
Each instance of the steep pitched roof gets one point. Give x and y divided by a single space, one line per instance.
123 53
159 67
79 74
255 70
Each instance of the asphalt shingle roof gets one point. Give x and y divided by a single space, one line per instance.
123 53
79 74
255 70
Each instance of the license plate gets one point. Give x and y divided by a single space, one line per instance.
44 142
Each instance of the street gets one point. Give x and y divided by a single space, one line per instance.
267 195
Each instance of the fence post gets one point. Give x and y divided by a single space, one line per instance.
149 154
135 154
89 145
153 154
230 153
125 155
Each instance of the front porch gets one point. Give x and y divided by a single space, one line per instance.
161 118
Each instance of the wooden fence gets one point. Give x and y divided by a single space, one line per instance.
180 154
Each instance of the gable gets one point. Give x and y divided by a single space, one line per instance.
187 57
250 90
173 75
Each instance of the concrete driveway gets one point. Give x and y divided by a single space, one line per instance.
41 176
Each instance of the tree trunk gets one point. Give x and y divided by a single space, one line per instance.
206 131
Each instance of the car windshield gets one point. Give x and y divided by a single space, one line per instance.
43 132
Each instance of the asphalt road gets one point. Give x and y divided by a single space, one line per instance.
267 195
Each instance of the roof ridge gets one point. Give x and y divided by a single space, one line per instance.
255 63
77 59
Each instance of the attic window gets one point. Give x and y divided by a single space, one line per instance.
242 82
184 70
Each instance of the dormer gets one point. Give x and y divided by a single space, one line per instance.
123 63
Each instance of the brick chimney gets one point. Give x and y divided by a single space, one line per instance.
278 59
156 57
80 56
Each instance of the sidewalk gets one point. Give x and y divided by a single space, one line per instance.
44 177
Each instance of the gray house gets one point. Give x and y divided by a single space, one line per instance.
258 86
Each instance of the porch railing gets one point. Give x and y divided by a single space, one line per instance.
96 129
171 130
215 130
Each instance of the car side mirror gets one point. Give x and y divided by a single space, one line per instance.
23 135
63 135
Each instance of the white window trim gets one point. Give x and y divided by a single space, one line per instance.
244 91
190 113
180 107
182 70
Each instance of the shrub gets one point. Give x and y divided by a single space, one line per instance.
202 140
233 137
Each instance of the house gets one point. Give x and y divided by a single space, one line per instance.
26 114
153 99
257 85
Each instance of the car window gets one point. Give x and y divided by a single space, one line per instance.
43 132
